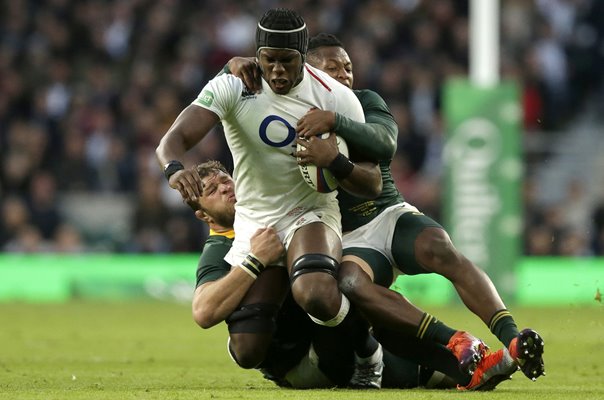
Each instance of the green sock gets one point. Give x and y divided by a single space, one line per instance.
503 326
432 329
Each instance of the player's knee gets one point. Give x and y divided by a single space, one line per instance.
310 263
250 328
246 351
317 294
314 284
352 280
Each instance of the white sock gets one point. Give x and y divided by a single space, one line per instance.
375 358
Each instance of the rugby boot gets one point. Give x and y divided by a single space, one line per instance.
527 350
468 350
368 372
493 369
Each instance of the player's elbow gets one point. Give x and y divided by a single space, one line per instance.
160 149
385 144
386 149
390 148
204 318
157 152
390 143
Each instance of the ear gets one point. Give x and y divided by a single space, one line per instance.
203 216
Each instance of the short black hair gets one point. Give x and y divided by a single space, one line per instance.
324 40
282 28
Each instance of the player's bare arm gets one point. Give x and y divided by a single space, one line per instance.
191 126
214 301
363 180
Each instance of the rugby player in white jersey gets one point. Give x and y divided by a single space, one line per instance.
260 132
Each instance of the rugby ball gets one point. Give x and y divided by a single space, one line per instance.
320 179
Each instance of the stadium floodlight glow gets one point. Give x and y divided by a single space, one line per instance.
484 42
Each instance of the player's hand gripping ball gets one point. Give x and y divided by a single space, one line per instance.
318 178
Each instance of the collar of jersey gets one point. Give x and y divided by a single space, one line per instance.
228 234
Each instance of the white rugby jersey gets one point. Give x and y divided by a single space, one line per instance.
260 131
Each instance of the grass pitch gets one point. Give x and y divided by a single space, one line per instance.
153 350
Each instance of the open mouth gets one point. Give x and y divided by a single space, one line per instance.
280 83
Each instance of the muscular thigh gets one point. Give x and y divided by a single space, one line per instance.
408 228
314 238
271 286
393 234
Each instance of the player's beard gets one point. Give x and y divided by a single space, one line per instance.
225 218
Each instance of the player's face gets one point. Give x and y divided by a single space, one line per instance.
335 61
281 68
218 198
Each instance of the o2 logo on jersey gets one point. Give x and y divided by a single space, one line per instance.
291 131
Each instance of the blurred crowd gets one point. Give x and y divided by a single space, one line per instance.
88 87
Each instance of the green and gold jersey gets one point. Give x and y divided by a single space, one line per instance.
375 140
293 332
212 266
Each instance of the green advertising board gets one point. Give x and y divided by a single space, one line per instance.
483 171
119 277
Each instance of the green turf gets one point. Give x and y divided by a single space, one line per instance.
154 351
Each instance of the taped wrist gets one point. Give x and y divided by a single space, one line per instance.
341 167
252 265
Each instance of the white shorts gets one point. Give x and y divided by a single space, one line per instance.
245 228
307 374
378 233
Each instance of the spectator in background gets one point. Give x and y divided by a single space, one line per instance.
28 239
15 216
149 220
598 234
67 239
539 240
73 171
43 204
87 87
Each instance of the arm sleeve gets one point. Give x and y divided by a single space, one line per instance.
212 266
376 138
220 95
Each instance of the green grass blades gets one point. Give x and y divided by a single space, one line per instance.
153 350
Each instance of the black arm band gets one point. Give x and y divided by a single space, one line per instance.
341 167
172 167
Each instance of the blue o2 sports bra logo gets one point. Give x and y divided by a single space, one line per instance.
291 132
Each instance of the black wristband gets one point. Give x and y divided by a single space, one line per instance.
252 265
172 167
341 167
